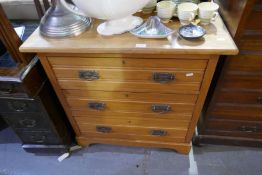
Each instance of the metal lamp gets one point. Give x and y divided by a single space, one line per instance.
58 22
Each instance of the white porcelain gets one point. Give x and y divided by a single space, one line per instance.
150 7
207 12
118 13
186 12
165 10
151 3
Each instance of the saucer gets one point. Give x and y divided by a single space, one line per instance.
191 32
152 28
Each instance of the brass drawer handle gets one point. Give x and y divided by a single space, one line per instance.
161 108
17 106
163 77
248 129
97 106
259 99
28 123
89 75
103 129
158 132
38 139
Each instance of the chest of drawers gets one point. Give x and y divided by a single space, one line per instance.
234 114
117 93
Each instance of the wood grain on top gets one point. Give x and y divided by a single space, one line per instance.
217 41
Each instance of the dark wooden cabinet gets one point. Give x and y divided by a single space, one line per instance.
234 113
28 103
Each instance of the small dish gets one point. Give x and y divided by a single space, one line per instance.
191 32
152 28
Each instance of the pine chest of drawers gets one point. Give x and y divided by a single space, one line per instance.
130 91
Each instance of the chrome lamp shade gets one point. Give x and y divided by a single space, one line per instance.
58 22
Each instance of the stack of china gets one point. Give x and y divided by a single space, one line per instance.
165 10
177 2
150 7
187 12
206 11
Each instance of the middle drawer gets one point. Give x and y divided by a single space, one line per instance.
89 105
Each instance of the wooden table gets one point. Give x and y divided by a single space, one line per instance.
131 91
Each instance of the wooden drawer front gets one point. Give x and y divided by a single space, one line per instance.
235 128
117 114
252 22
250 44
95 74
27 121
39 137
248 98
131 86
145 129
118 133
238 112
11 89
129 62
125 106
132 96
244 82
18 105
250 63
134 122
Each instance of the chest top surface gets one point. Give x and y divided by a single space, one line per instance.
217 41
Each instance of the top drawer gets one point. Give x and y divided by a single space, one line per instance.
129 62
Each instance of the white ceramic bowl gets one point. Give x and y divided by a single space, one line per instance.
118 13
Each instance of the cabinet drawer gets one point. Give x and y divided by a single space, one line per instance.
192 88
250 63
252 23
162 76
235 128
238 111
117 114
132 96
118 134
11 89
129 62
248 98
27 121
19 105
133 132
133 122
39 137
250 44
243 82
127 106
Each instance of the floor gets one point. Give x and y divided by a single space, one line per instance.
115 160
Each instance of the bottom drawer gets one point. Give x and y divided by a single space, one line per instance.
47 138
163 135
234 128
132 132
27 121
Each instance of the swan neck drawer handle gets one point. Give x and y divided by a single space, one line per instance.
161 108
97 106
89 75
158 132
103 129
163 77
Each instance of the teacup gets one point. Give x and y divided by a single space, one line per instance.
207 12
186 12
149 8
165 10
